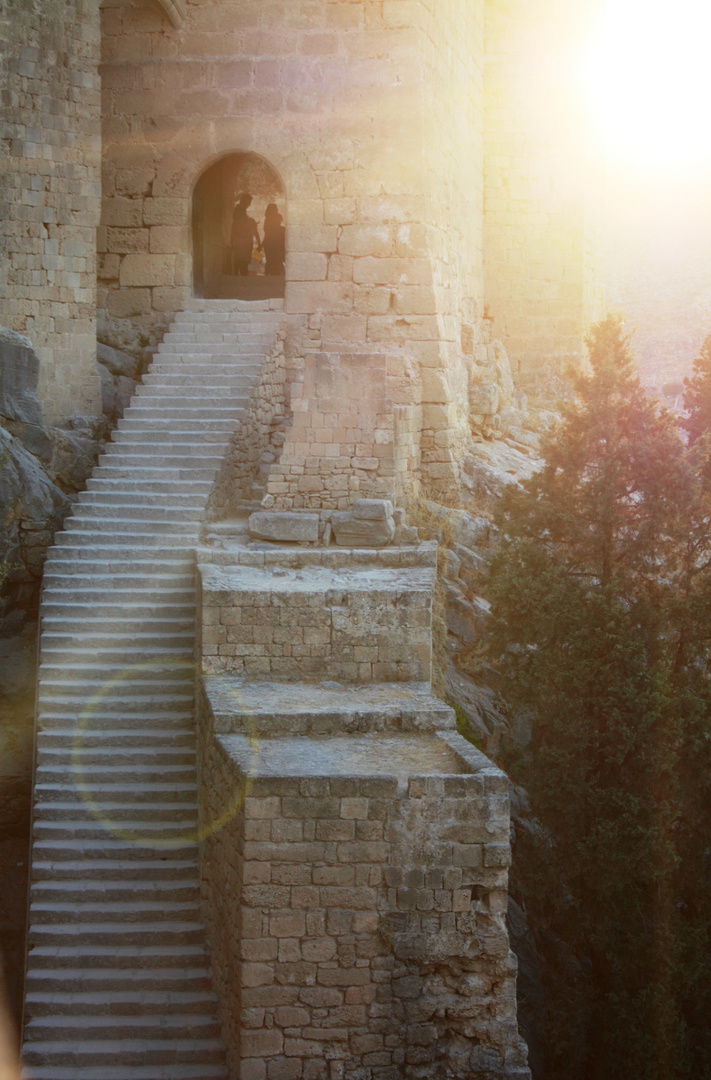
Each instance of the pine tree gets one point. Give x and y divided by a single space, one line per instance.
599 623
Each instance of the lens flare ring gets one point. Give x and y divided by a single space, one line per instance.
84 786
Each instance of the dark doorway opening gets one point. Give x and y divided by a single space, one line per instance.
214 199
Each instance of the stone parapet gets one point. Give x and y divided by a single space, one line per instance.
359 625
356 899
355 847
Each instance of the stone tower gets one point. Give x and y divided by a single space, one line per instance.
361 880
420 180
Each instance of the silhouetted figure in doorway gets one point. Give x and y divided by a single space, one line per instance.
245 235
274 242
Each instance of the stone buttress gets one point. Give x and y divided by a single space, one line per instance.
355 848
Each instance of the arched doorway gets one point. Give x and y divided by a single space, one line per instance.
214 199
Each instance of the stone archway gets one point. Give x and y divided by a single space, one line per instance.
214 198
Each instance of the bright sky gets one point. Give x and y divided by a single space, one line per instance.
648 86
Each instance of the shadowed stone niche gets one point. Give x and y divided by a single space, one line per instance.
214 198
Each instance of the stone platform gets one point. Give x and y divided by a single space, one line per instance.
356 847
268 709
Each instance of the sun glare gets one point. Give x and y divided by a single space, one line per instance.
648 84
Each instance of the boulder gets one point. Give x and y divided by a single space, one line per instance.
19 376
284 526
74 456
352 531
483 399
31 508
118 363
372 509
125 389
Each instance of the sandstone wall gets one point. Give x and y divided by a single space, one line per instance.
258 440
333 625
371 114
49 193
542 189
370 935
344 441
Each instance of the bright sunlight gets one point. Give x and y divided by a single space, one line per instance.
648 85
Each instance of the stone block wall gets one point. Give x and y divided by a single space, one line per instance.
357 626
258 440
371 114
50 193
542 190
344 441
358 923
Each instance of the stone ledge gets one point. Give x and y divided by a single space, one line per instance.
263 709
232 552
394 758
313 580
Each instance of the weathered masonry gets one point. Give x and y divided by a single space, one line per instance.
242 775
423 183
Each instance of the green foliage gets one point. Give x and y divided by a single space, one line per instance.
601 605
464 724
697 395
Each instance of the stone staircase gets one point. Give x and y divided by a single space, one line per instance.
118 979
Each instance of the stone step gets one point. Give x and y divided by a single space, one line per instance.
82 757
208 426
96 539
120 1026
159 1051
148 510
160 525
114 777
149 592
158 932
225 310
138 608
226 347
128 1072
61 650
92 891
107 550
226 335
176 409
214 383
117 694
121 737
114 707
163 448
206 374
108 849
164 486
117 814
56 634
76 574
121 957
115 877
161 670
95 720
120 1003
110 495
116 911
151 474
157 868
138 832
226 401
118 789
